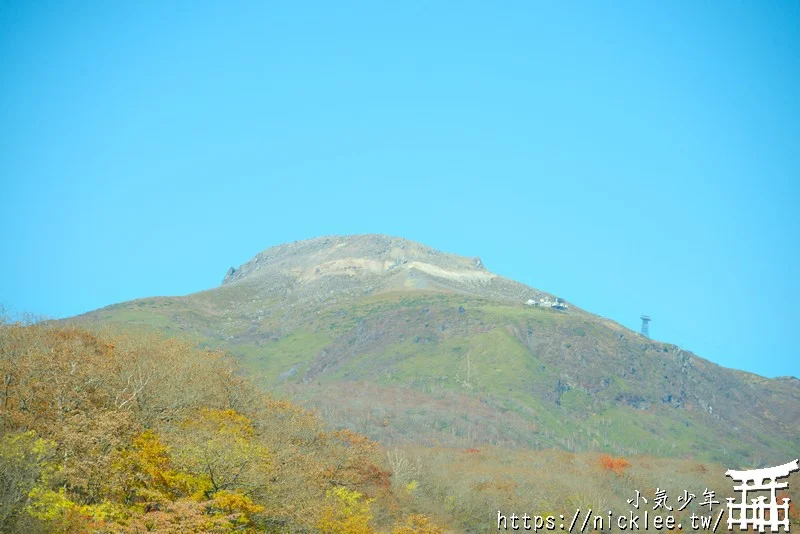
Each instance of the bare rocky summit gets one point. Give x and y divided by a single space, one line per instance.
338 267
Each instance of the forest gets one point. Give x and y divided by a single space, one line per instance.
108 432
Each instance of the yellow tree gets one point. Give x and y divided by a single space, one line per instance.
222 446
346 512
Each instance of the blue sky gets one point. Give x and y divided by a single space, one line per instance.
629 156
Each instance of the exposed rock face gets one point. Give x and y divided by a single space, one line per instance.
228 275
338 267
337 255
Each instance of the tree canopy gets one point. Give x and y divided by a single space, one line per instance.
116 432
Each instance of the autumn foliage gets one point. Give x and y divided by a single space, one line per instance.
418 524
122 433
615 465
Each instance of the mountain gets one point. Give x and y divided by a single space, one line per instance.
412 345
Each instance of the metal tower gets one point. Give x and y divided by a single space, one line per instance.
645 325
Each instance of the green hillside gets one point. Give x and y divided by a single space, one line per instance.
413 346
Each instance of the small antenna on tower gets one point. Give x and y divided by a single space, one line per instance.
645 325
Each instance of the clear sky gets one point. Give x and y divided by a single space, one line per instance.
632 157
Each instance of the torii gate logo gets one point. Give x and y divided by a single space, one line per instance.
759 514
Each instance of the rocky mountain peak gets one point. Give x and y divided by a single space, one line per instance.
371 254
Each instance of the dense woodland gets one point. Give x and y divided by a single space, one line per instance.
122 433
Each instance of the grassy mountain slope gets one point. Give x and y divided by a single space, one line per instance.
125 432
411 345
